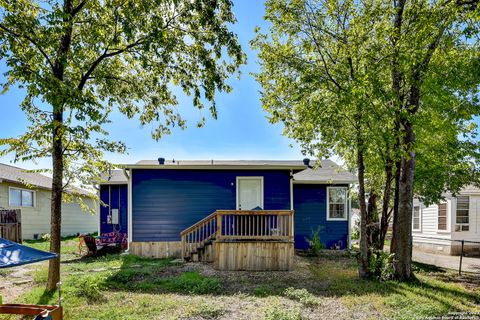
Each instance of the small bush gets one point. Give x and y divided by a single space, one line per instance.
89 288
302 296
315 244
191 282
278 312
381 265
262 291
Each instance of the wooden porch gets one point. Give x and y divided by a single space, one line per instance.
242 240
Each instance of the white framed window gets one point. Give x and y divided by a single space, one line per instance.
417 218
21 197
462 220
336 203
442 219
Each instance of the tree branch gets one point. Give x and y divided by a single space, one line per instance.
32 41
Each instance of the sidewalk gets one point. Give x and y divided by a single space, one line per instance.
469 264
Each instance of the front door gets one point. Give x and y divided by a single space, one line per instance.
249 193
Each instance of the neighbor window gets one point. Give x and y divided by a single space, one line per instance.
21 198
442 216
337 203
462 220
416 218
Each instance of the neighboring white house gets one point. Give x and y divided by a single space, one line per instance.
31 193
456 218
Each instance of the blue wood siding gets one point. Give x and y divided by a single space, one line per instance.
119 200
165 202
310 204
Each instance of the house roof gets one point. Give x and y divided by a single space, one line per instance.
220 164
327 172
22 176
115 176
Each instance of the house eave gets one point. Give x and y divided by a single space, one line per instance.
324 181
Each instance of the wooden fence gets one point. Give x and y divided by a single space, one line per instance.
10 225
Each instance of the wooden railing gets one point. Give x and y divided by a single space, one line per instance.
195 236
255 225
231 225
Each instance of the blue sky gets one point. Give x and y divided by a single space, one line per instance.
242 130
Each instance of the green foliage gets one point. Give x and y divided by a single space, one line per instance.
88 287
381 265
314 242
302 296
263 291
330 83
191 282
124 56
277 311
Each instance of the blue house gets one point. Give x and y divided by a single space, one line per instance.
179 208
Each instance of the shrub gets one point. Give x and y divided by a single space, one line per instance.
381 265
315 244
88 287
302 296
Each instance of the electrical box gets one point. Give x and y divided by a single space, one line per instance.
115 217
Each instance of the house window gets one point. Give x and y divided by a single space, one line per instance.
337 203
21 198
442 217
416 218
462 220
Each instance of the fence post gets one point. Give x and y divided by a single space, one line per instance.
461 258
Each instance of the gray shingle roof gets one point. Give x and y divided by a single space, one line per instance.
327 172
115 176
22 176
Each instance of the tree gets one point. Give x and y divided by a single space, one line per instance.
78 60
355 78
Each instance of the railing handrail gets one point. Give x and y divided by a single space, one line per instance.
255 212
199 223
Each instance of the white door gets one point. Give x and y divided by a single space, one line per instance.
249 193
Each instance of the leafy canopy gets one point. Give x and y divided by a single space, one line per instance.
124 55
326 73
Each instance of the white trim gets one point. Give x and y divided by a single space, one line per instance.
129 205
448 206
328 205
349 218
99 209
250 178
107 183
324 181
419 218
34 197
291 190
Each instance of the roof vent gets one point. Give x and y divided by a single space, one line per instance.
161 161
306 161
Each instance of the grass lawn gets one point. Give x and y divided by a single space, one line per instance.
327 287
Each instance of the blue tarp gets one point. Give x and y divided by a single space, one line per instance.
13 254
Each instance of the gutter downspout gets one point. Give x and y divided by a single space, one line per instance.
349 217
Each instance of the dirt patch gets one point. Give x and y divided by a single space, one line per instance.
15 282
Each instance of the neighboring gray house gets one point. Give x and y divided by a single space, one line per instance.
436 227
31 193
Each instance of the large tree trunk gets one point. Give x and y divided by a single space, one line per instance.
56 201
364 251
403 227
57 148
